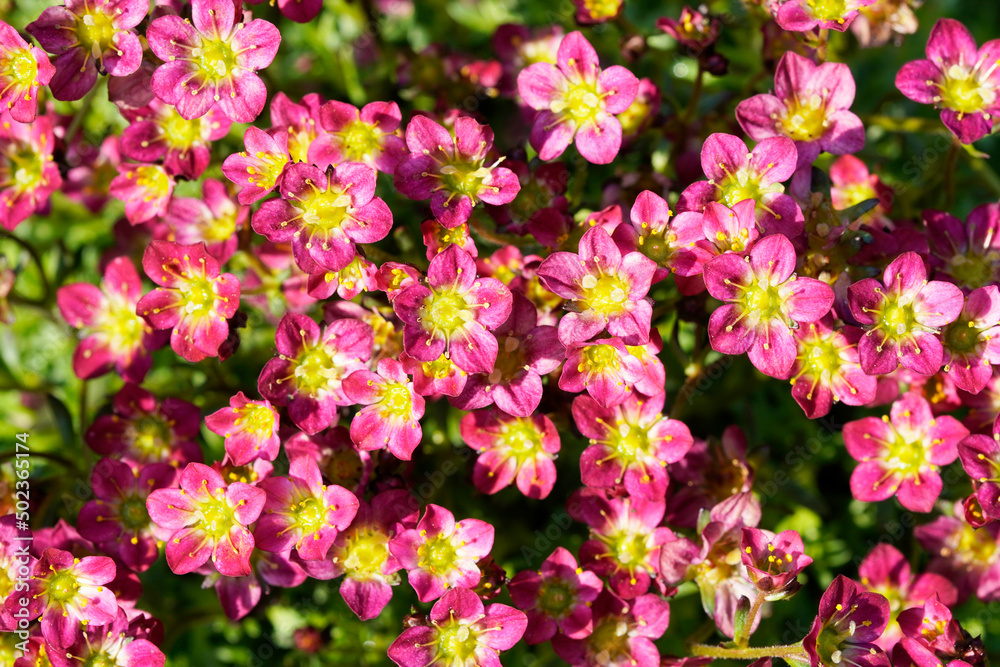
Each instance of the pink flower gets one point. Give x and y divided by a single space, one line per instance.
846 627
853 184
630 444
157 131
437 237
308 373
143 430
958 79
902 315
827 368
736 174
512 449
144 188
28 175
250 429
118 643
303 513
118 520
902 454
972 342
968 556
323 215
763 298
301 122
115 336
23 70
605 368
589 12
806 15
454 313
215 220
260 167
980 456
608 289
208 519
67 591
370 135
576 100
430 378
694 30
357 277
965 253
625 539
460 631
556 598
440 553
448 168
89 38
194 298
773 562
671 243
361 553
624 633
810 106
529 352
391 418
12 558
212 61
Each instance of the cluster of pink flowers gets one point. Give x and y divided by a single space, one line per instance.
529 346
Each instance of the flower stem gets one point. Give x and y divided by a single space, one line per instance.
692 107
747 653
949 175
744 637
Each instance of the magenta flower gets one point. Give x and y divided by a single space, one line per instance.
763 298
215 220
448 168
958 78
965 253
454 313
460 631
902 315
28 174
158 132
142 430
577 101
529 352
810 106
827 369
980 456
556 598
312 367
671 243
725 230
323 215
630 444
209 519
361 553
902 454
194 298
66 592
521 450
114 335
87 38
773 562
694 30
370 135
437 237
212 61
589 12
626 537
624 633
846 627
303 513
852 184
440 553
605 368
118 520
806 15
12 558
118 643
392 412
608 290
144 188
972 342
250 429
932 634
968 556
258 169
357 277
23 70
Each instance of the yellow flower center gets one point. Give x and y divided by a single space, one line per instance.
456 643
599 357
605 294
367 551
178 132
360 139
151 178
962 90
216 517
315 370
326 210
200 296
19 66
602 9
437 554
311 515
580 103
396 401
63 587
96 33
446 311
120 326
805 121
215 58
133 514
610 638
975 270
556 598
256 419
897 319
829 10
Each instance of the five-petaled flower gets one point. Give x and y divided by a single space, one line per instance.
392 412
773 562
24 69
250 429
577 100
847 624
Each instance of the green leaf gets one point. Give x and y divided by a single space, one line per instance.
63 419
853 213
